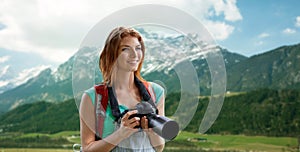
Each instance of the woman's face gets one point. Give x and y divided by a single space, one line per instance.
131 54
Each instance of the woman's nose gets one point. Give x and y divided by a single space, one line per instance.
133 53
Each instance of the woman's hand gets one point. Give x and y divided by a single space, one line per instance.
127 126
144 125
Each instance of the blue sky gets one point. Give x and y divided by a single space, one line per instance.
49 32
266 24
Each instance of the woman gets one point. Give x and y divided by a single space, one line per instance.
120 63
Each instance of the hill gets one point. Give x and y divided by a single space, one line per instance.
42 117
275 69
262 112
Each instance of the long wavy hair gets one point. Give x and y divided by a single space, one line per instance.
110 52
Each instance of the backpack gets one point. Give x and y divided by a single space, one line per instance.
103 93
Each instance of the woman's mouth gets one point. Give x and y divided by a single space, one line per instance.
133 62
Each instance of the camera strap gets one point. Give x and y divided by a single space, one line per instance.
105 94
144 91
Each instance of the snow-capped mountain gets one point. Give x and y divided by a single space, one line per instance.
163 53
18 67
10 78
48 85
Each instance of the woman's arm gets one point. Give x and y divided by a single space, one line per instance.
87 128
156 141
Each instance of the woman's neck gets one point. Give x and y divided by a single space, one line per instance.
123 80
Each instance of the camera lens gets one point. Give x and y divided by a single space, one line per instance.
164 126
170 130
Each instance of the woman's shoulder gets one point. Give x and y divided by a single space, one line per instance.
90 90
91 93
156 87
158 90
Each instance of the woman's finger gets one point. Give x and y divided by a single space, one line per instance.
134 124
144 122
133 120
128 114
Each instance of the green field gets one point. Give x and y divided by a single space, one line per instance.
186 141
235 142
33 150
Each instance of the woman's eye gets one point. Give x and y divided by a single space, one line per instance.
124 49
138 48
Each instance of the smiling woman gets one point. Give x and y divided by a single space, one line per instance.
123 87
130 55
128 47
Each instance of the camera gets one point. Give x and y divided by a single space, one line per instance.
163 126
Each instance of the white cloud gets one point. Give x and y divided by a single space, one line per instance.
26 74
228 8
4 70
54 28
40 27
263 35
4 59
205 9
288 31
3 83
219 30
21 77
297 21
259 43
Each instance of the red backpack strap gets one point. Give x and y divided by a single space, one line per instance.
149 90
151 93
100 108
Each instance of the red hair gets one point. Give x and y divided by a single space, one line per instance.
110 51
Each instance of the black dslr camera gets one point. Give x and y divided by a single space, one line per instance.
163 126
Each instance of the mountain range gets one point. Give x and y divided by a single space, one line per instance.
18 67
275 69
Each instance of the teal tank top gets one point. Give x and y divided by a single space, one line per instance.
109 124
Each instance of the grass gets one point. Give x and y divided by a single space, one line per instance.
237 142
32 150
72 136
187 141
